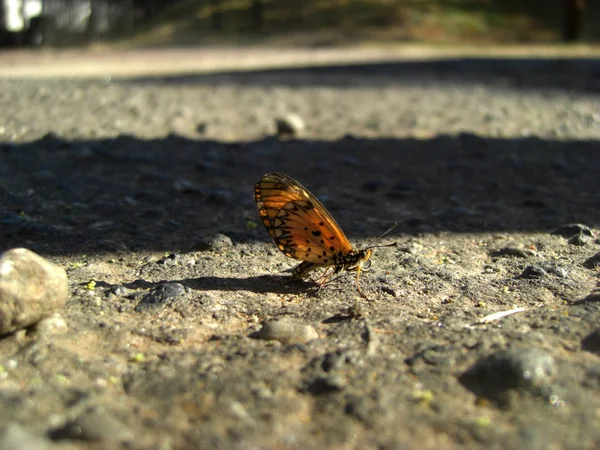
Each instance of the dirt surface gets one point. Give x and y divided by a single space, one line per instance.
142 190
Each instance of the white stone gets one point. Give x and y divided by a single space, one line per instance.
31 288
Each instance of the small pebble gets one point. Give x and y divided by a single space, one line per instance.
592 376
593 297
327 383
286 332
337 360
580 240
591 342
55 324
556 270
94 426
573 229
360 408
31 288
216 241
356 310
119 291
160 296
289 126
517 368
543 270
592 262
201 127
171 260
533 271
514 251
389 291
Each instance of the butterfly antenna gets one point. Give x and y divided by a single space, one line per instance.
385 233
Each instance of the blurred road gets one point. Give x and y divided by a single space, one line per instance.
146 62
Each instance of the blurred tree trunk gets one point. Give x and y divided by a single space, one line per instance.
338 12
258 18
91 29
574 10
216 22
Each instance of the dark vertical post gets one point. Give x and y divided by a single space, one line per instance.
92 21
257 15
573 19
216 23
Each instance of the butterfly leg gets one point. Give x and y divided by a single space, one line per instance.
358 269
325 276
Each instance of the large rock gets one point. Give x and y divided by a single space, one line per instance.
31 288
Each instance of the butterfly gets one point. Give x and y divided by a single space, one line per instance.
303 229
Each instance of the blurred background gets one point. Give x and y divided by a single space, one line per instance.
156 23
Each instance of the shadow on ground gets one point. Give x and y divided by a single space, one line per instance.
569 73
127 194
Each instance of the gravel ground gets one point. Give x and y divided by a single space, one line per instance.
183 330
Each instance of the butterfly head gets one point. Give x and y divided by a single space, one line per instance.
365 258
365 255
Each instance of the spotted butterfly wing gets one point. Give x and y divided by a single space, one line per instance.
297 221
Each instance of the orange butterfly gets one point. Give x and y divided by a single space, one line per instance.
303 229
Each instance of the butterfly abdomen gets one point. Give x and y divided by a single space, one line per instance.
303 269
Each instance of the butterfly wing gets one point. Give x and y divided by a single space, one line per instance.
298 223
